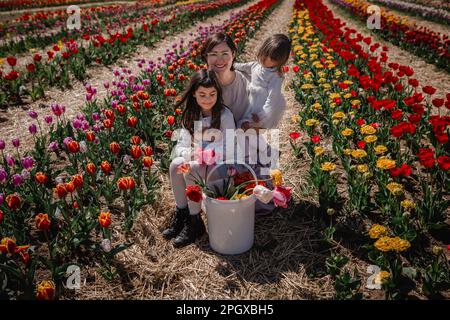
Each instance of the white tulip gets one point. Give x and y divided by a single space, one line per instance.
263 194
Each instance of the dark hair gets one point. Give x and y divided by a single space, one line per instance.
216 39
277 47
192 111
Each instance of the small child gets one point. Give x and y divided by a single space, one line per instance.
202 101
267 103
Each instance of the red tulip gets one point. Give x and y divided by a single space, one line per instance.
194 193
11 61
429 90
170 120
438 102
315 139
294 135
136 152
131 122
105 166
42 222
60 190
135 140
41 177
114 147
444 162
147 161
73 146
104 219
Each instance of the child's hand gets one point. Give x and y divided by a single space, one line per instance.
255 117
245 126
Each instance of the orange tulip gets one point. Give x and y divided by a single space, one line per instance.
90 136
114 147
108 123
147 104
106 167
135 140
7 245
60 190
73 146
90 168
45 290
148 151
13 201
42 222
136 152
121 109
78 180
41 177
147 161
110 114
104 219
131 122
126 183
70 187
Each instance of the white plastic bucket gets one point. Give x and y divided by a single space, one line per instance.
231 222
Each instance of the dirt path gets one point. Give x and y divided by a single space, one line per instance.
14 122
426 73
420 22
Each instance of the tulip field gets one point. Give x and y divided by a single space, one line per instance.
86 123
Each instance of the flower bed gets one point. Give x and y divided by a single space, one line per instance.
92 174
432 46
371 130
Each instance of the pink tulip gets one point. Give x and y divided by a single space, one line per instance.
281 196
207 157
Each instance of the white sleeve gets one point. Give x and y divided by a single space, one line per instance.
274 102
183 148
244 67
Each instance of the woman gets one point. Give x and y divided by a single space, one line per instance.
219 52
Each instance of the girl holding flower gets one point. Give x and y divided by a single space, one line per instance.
203 106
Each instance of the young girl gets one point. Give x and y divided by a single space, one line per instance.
267 104
203 102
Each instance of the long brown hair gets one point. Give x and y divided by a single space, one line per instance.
277 47
216 39
192 111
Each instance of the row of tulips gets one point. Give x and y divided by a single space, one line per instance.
39 30
70 60
426 12
432 46
7 5
88 175
368 127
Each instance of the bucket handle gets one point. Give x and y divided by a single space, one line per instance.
232 162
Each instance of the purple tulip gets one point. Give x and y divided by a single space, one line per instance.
85 125
33 114
89 97
16 142
114 104
96 128
77 123
53 146
28 162
25 174
10 160
123 98
32 128
3 175
106 85
67 140
48 119
95 116
146 82
17 180
2 144
2 198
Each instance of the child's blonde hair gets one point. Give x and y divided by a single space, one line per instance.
277 47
